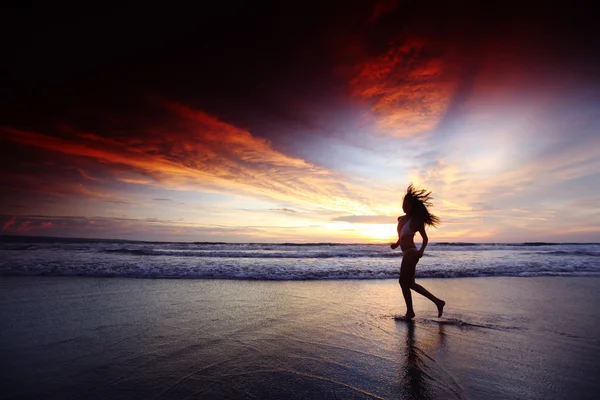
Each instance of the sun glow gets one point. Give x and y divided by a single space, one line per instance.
378 232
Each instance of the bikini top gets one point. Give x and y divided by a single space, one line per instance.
406 229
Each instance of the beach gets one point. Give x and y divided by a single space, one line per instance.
120 338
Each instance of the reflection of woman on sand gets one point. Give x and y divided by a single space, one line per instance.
415 205
420 377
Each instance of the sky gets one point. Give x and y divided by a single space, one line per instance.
300 122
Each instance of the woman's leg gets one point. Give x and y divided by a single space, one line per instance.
422 291
407 282
410 313
407 279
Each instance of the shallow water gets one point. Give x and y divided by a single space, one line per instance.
500 338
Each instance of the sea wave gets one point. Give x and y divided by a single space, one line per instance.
266 273
566 253
263 253
289 261
290 269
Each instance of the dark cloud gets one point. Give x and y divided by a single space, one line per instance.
285 210
103 227
278 69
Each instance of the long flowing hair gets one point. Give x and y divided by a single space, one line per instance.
420 200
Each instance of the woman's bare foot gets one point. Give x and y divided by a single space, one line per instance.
410 315
440 306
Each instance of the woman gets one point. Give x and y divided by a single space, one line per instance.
415 205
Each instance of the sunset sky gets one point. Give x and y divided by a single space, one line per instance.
300 121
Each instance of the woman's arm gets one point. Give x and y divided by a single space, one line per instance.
425 241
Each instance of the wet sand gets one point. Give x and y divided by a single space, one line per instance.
500 338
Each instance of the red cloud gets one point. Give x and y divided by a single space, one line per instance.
409 88
6 226
195 150
44 182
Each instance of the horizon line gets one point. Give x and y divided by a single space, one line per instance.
15 236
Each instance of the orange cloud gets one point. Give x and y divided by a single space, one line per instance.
201 151
409 88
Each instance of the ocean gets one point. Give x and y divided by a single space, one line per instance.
43 256
295 321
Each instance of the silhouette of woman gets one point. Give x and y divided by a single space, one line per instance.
416 207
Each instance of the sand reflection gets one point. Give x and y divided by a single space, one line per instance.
417 378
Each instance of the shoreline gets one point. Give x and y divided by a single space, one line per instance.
500 338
